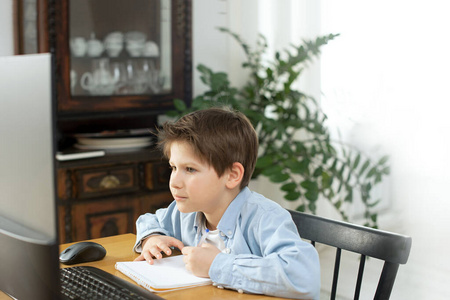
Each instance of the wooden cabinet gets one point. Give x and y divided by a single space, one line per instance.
120 55
117 66
104 196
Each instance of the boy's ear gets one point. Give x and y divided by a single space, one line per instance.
235 176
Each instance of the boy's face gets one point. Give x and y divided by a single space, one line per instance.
194 184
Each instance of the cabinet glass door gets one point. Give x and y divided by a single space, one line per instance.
116 55
120 47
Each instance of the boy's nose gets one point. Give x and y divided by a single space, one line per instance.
175 181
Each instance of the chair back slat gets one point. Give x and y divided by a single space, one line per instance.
337 265
390 247
362 263
386 282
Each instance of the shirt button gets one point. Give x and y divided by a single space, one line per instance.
222 234
227 250
240 291
220 287
229 232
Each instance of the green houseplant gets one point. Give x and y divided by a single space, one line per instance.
296 149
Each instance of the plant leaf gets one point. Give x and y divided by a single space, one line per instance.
289 187
383 160
179 105
280 177
301 208
264 161
318 171
299 167
326 180
356 162
364 167
292 196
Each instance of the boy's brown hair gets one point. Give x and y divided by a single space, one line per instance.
218 136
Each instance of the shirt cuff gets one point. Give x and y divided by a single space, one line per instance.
221 269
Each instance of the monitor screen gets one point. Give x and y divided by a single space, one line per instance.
28 222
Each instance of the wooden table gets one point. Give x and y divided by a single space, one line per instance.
120 248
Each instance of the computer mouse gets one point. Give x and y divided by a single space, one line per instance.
82 252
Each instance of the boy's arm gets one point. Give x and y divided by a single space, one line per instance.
288 266
150 224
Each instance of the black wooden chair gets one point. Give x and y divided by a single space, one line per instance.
392 248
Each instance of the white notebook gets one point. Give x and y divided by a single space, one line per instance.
166 274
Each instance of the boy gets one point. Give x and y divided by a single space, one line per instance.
238 238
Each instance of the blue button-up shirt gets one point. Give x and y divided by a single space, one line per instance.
265 254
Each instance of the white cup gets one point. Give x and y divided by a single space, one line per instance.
113 48
151 49
78 46
135 48
114 37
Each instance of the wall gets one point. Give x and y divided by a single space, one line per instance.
6 28
215 49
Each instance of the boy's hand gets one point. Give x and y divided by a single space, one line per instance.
198 260
155 244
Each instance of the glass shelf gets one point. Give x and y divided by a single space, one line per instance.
120 47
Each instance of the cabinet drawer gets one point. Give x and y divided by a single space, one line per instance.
109 223
157 176
107 181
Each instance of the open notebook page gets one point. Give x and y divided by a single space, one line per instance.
165 274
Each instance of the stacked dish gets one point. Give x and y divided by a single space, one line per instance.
86 142
114 43
135 43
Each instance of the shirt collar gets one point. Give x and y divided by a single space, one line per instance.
227 223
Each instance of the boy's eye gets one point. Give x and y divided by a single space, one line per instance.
188 169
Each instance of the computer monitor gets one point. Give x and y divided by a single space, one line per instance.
29 247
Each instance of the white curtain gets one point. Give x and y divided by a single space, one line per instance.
384 83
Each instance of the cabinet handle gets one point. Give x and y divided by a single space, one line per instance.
109 182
